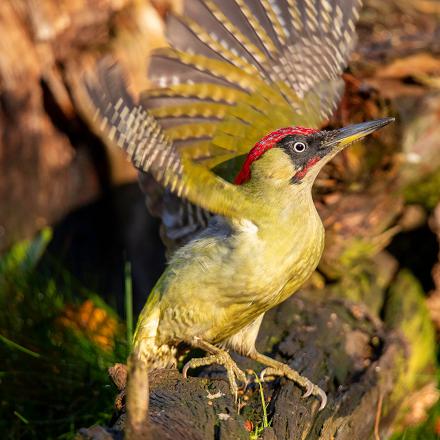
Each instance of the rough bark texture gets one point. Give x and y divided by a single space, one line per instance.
354 356
49 161
39 163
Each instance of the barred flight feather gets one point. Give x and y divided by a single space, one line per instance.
236 69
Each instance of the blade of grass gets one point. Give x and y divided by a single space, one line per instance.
16 346
263 401
128 304
22 418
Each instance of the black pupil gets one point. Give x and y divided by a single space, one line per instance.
299 147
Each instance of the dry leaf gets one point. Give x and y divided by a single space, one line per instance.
411 66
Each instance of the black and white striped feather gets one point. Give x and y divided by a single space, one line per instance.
235 70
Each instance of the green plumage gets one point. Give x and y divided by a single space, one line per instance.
236 70
238 268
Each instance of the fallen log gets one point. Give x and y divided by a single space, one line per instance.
368 366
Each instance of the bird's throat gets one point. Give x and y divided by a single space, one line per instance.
299 175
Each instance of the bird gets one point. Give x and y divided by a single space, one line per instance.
231 134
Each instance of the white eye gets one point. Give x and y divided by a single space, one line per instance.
299 147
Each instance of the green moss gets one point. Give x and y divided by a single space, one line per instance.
361 284
407 313
359 249
425 191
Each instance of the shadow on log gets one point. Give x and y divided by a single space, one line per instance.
366 365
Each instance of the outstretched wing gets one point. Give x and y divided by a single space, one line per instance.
235 70
238 69
152 150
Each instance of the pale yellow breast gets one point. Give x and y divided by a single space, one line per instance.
274 263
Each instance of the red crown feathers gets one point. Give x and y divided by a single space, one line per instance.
265 144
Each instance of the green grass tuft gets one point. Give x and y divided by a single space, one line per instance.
128 305
265 422
57 341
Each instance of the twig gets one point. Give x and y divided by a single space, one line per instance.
128 304
137 400
377 419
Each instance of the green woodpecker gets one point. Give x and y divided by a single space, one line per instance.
236 71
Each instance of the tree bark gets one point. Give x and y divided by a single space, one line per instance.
363 363
50 162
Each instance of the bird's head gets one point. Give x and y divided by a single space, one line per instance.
297 154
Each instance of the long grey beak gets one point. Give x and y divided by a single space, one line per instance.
347 135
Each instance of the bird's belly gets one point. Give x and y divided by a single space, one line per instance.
268 284
215 295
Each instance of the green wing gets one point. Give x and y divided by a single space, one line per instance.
152 150
250 68
235 70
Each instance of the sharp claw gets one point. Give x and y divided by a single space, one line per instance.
308 392
311 389
185 370
323 397
245 386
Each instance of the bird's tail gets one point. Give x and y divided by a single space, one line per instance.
147 355
145 344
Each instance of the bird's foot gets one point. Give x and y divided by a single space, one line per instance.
269 373
222 358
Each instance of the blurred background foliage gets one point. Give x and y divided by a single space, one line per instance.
57 341
72 218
